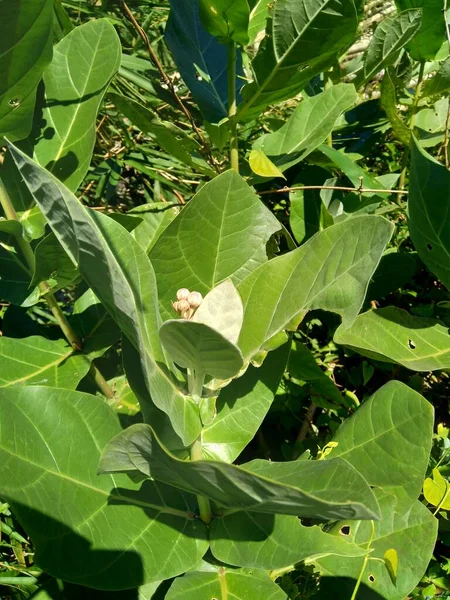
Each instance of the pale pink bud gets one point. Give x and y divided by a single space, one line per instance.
183 294
195 299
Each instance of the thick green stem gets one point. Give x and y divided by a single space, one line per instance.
365 561
232 107
48 296
204 505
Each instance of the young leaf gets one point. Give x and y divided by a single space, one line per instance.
201 60
201 349
296 488
261 164
294 52
258 15
229 243
239 584
437 491
428 207
242 406
222 310
272 541
391 561
38 361
393 335
388 439
330 271
26 34
410 528
440 83
50 442
389 38
227 20
388 103
120 274
83 64
431 35
308 127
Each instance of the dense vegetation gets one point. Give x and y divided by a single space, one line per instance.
224 274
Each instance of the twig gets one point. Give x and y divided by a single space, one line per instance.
306 423
155 60
358 190
231 70
444 146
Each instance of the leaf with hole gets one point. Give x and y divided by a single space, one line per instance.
26 34
393 335
317 488
50 443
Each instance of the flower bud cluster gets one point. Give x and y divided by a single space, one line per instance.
187 303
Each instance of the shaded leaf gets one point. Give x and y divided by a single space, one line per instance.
431 35
411 529
49 449
37 361
122 277
389 38
440 83
393 335
222 233
239 584
308 126
388 102
242 406
317 489
83 64
388 439
53 265
428 207
201 60
330 271
293 52
26 34
394 271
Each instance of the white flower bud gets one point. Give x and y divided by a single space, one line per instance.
195 299
183 294
175 306
183 306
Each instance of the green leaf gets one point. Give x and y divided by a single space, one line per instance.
101 532
391 561
258 16
308 126
201 60
227 20
388 102
410 529
388 439
38 361
296 488
440 83
237 584
393 335
262 165
53 265
231 241
125 284
431 35
294 52
272 541
437 491
26 34
242 406
389 38
428 205
303 366
15 274
83 64
331 271
222 310
201 349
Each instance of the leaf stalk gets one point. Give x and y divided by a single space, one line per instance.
232 106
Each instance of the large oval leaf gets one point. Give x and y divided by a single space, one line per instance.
26 34
393 335
222 233
315 489
83 64
431 35
102 532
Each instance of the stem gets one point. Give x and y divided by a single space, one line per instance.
303 432
48 296
203 502
365 561
232 107
417 95
197 386
359 190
